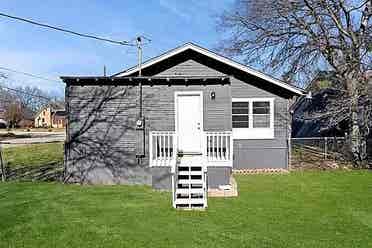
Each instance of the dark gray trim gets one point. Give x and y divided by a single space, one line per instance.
170 80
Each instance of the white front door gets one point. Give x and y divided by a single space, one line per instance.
189 121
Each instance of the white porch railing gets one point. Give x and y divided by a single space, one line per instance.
219 147
163 148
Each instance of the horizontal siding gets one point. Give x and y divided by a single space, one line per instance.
102 136
190 68
159 107
262 153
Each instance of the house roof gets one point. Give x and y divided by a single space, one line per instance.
59 113
193 47
310 118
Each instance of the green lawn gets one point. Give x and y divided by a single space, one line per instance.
33 154
310 209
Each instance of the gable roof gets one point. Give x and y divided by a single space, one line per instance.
215 56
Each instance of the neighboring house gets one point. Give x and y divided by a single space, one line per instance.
52 115
202 115
308 114
307 120
58 119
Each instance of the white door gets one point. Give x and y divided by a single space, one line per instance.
189 121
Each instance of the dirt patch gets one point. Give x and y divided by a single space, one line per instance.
320 165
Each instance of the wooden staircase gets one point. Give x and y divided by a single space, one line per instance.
190 183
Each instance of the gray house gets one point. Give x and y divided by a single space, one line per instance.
191 118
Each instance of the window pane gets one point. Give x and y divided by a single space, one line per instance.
240 117
261 121
240 124
240 104
240 108
240 111
261 107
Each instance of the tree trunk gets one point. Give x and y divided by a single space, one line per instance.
357 140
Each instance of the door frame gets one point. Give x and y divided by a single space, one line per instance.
191 93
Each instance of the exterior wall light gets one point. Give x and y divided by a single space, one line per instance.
213 95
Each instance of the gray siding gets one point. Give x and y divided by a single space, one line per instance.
190 68
159 110
262 153
102 140
102 136
159 106
218 176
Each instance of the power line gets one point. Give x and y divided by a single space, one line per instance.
25 93
29 74
123 43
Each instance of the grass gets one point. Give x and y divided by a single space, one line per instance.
33 154
311 209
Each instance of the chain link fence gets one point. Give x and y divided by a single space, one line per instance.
43 161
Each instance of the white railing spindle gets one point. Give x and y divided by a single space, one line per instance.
163 148
219 147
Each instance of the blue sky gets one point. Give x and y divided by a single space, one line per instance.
50 54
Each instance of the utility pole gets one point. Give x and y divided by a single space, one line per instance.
104 70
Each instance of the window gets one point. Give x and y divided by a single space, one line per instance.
253 118
240 114
261 114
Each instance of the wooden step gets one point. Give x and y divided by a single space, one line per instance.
192 173
189 201
190 164
192 181
190 191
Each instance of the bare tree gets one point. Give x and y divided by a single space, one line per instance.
33 100
297 38
13 114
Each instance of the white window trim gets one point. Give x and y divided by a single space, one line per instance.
255 133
